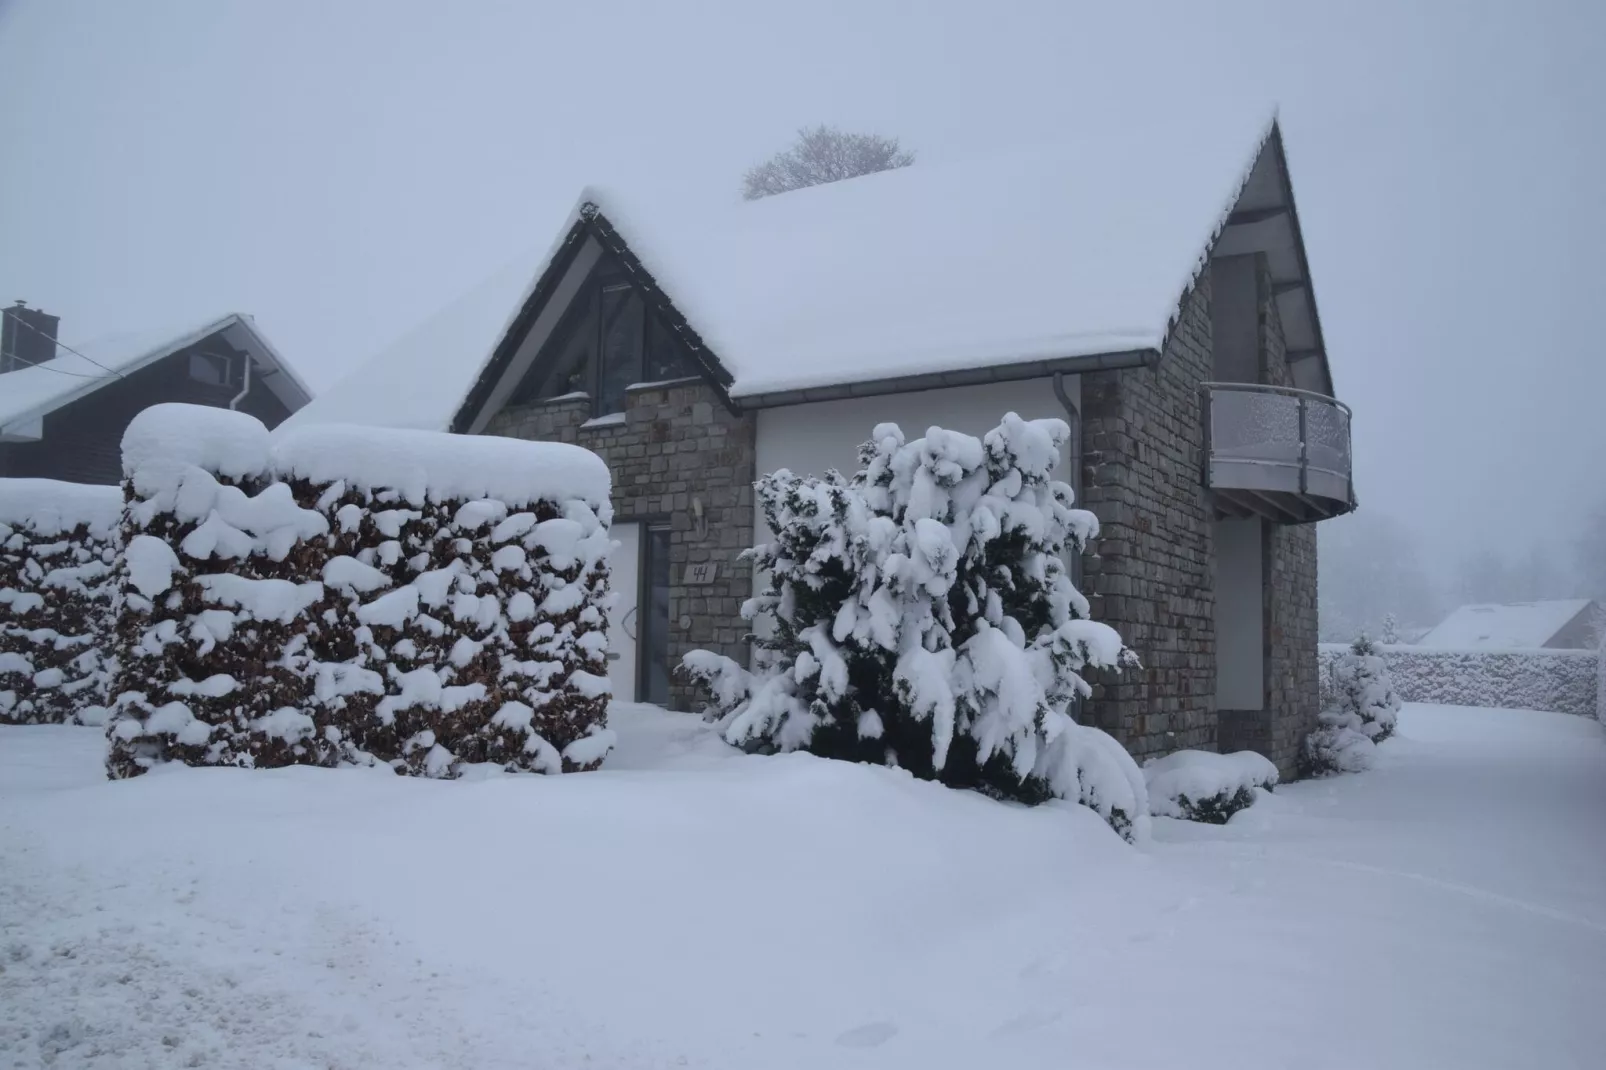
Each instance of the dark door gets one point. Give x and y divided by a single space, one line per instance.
654 616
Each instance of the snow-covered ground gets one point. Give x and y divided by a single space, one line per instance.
687 906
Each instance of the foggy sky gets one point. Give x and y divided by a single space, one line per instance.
340 170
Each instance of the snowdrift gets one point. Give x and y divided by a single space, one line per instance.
344 594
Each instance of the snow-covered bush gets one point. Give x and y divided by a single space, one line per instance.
348 594
921 615
1359 710
1362 686
467 576
57 545
1197 785
1335 748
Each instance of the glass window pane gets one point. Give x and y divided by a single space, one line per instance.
621 346
564 364
666 356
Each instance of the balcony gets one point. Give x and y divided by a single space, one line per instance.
1276 452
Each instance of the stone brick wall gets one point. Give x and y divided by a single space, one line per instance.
1153 574
677 442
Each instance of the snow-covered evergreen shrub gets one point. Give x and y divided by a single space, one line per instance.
347 594
58 542
1359 710
1201 786
921 615
1335 748
1362 686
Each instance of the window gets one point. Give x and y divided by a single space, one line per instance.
212 369
607 341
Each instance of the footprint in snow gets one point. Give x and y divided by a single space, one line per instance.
1025 1023
872 1035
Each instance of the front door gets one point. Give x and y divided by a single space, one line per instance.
623 617
653 646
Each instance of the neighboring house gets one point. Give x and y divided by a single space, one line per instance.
63 410
1109 284
1561 624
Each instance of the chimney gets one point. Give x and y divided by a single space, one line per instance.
27 337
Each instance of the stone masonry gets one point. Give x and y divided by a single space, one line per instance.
1152 576
1153 573
677 442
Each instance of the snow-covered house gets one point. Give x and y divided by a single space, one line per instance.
63 409
1556 624
1151 290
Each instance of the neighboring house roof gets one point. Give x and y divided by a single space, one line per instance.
29 394
1517 625
1010 261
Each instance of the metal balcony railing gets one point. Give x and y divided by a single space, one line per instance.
1277 452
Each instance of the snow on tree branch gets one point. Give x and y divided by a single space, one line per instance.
921 615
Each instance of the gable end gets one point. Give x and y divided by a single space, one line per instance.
594 225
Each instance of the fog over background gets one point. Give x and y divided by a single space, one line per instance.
340 170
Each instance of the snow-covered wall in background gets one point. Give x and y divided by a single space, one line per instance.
348 594
57 545
1562 681
1600 679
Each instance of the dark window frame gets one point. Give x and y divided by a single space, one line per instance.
218 362
587 306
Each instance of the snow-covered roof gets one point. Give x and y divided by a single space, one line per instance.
1516 625
941 267
419 380
28 394
1082 248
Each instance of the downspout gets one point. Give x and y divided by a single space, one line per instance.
246 389
1073 416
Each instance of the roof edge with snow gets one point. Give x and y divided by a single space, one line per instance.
244 333
1274 219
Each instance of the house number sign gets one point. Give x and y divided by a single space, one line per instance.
699 574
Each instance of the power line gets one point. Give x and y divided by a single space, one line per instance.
59 371
68 348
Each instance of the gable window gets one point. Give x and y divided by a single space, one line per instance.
212 369
607 341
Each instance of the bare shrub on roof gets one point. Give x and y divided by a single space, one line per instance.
823 154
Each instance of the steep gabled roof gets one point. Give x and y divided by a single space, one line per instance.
1514 625
1009 263
29 394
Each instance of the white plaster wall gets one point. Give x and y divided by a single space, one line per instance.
1240 616
811 439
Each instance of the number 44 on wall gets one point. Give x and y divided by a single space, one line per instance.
699 574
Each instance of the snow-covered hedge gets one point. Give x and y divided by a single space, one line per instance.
921 615
57 545
1197 785
1562 681
1600 680
351 594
